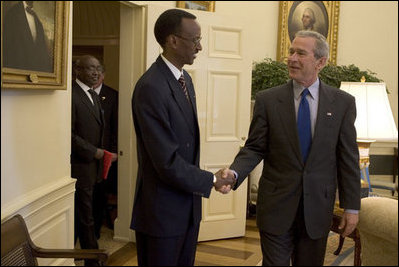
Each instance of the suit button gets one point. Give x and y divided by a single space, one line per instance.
188 145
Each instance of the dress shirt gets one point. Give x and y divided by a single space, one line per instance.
85 89
312 98
98 89
176 72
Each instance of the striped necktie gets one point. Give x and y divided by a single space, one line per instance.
184 87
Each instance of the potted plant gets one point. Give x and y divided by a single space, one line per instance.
269 73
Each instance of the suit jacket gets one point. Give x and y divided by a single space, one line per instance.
169 182
20 50
333 160
109 103
87 136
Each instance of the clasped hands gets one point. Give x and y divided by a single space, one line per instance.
225 180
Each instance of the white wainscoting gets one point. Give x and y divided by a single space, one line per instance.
49 216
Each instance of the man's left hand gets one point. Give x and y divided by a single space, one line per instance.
348 223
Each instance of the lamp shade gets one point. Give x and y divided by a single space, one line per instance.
374 115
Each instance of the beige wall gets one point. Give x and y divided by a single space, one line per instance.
35 140
368 38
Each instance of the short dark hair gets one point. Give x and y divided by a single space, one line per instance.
169 22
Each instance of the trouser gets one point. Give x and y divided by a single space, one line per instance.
296 245
84 223
167 251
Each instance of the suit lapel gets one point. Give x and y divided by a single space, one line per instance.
286 110
178 94
191 93
85 99
324 115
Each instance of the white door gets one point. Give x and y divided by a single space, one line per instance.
222 79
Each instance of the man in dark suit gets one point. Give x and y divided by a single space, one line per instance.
109 103
25 42
167 205
304 131
87 148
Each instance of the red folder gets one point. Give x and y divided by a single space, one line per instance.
107 163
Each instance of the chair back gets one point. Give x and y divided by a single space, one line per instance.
16 249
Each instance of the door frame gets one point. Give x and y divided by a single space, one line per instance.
131 67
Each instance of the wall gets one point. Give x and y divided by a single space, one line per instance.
35 169
368 38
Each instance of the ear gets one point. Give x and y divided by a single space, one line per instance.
321 62
171 41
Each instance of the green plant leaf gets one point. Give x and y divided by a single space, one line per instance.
269 73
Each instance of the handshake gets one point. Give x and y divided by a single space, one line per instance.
225 180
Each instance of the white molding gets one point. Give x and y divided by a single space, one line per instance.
39 198
49 216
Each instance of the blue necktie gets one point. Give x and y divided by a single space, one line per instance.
304 126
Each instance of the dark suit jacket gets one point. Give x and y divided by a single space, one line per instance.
169 183
333 160
20 51
109 103
87 136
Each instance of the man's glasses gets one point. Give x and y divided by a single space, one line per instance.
196 41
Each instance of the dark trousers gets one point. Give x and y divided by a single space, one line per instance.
99 206
169 251
296 245
84 223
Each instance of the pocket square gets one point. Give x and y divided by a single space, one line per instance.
329 114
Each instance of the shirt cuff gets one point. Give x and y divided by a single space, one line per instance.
214 179
351 211
235 174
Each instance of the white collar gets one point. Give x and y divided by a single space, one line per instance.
82 85
176 72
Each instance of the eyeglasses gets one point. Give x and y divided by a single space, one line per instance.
195 41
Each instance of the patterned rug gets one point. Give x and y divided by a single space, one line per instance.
345 257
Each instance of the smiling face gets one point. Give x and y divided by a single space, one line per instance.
188 43
89 71
181 48
303 66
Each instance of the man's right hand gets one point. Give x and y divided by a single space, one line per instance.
99 153
225 180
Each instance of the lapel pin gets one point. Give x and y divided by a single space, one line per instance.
103 98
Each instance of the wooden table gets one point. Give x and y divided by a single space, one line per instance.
354 235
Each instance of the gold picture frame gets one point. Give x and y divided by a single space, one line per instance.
326 15
197 5
21 68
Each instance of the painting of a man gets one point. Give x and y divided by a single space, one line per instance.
308 19
307 15
28 35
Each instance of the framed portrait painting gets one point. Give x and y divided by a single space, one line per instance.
320 16
34 44
197 5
